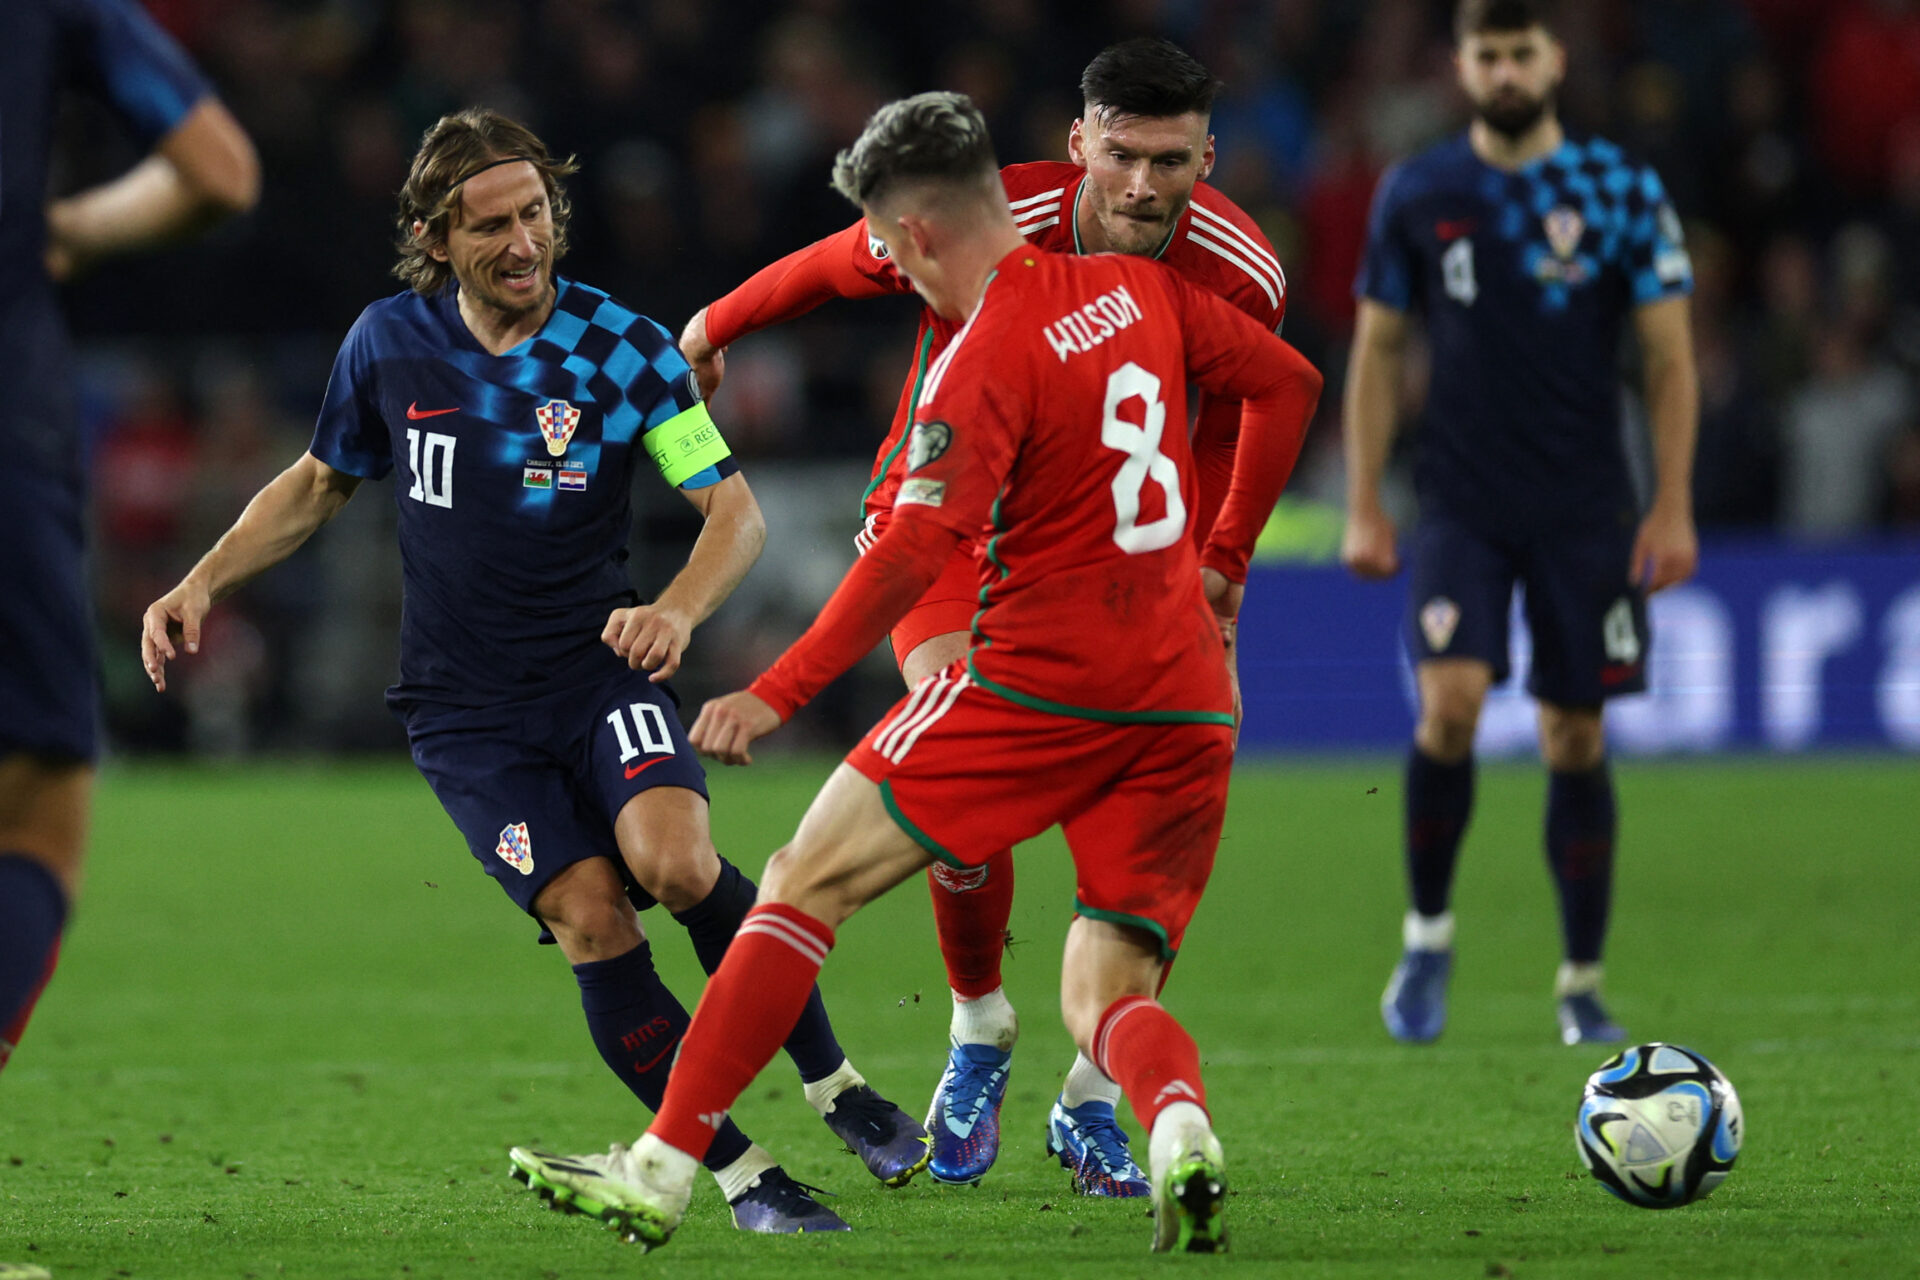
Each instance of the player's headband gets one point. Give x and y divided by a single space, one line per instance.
494 164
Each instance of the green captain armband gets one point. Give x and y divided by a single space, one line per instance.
685 445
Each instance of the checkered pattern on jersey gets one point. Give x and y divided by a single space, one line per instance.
613 353
1624 222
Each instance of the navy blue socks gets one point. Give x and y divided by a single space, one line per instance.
636 1023
33 909
1581 824
1439 800
711 925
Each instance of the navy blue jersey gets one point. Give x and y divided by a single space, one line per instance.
1526 280
109 48
514 479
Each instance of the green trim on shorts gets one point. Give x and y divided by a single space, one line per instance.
1121 917
919 837
1032 703
913 403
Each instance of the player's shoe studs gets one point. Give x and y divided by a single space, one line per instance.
1584 1020
1414 1006
1189 1188
890 1142
641 1199
778 1205
964 1120
1091 1145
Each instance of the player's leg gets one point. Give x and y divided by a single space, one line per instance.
847 851
43 833
971 908
664 836
47 739
1143 851
649 781
555 859
1590 643
1456 637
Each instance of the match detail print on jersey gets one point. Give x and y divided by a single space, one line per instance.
686 444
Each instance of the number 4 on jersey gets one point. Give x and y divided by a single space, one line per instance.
1144 462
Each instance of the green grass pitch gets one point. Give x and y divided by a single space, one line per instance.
296 1030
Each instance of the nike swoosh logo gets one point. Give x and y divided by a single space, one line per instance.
641 1068
415 412
635 770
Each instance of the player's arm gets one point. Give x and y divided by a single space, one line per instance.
281 517
841 265
202 171
653 637
1372 399
1667 550
877 592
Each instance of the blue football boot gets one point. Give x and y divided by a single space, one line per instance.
1414 1006
964 1120
1584 1020
778 1205
1091 1145
887 1139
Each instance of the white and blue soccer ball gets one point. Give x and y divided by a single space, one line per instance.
1659 1126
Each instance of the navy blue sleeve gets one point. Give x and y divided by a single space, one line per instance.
122 54
1658 265
1389 268
351 436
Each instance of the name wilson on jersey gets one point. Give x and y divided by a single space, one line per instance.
1087 327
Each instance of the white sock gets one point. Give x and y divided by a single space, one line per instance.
1427 933
738 1178
1181 1127
1087 1083
822 1092
987 1019
1576 979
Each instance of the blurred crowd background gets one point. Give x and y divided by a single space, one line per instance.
1787 131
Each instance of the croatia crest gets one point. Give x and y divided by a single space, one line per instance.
1564 228
516 848
557 421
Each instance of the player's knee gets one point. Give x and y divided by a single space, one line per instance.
590 929
1446 729
679 877
1572 741
785 878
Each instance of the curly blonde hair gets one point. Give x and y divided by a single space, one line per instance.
454 149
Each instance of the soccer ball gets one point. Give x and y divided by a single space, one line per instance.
1659 1126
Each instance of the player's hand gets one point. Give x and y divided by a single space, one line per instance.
709 362
1666 551
176 615
1225 597
649 637
1367 548
728 726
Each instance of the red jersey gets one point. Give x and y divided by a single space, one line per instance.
1214 245
1053 420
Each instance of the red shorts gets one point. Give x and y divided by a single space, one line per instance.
967 773
948 605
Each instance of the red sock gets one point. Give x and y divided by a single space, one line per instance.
971 909
1150 1056
749 1008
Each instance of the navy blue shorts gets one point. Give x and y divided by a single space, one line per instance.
1588 619
535 785
49 692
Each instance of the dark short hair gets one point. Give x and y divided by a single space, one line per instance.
937 136
1477 17
1147 76
454 149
